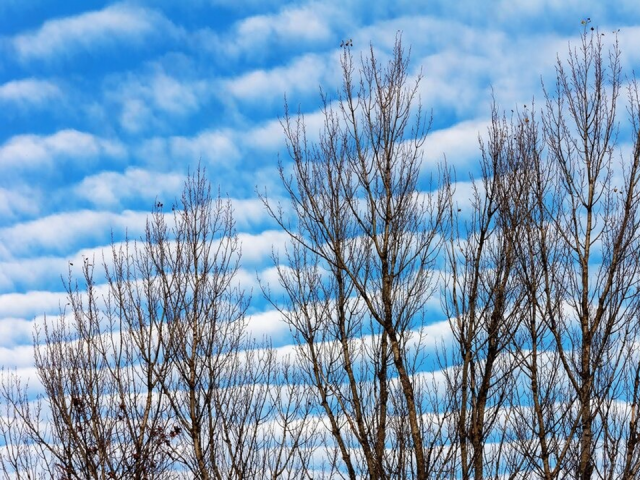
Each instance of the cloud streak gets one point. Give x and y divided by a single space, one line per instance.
64 233
29 92
37 151
110 189
86 31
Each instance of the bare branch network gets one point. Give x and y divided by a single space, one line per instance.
154 374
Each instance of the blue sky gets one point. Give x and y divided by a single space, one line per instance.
106 105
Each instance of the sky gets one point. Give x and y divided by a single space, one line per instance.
105 106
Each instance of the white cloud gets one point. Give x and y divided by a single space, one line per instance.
630 36
256 248
29 91
270 325
304 75
144 98
431 336
267 136
46 271
87 30
250 215
173 96
14 203
63 233
259 36
520 10
15 331
302 24
459 143
30 304
217 147
34 151
17 356
110 189
136 116
41 271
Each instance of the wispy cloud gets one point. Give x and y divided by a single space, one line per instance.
145 99
17 202
303 76
17 275
215 147
30 304
17 356
264 36
257 248
87 30
28 92
302 24
270 325
459 143
16 331
65 233
35 151
111 189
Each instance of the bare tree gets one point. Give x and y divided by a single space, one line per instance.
100 415
360 269
483 299
580 267
153 375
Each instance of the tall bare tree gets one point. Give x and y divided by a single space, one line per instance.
580 267
361 267
483 299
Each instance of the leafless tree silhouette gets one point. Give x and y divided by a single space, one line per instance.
153 375
361 266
